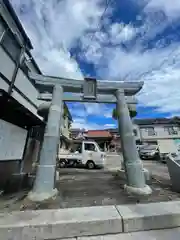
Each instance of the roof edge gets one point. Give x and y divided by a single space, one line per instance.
18 23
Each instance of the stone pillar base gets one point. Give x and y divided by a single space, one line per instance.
145 191
41 197
147 175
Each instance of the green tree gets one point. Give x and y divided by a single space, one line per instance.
132 113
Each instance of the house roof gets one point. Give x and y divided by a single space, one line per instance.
98 133
149 121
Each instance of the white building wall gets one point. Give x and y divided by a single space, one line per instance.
12 141
167 146
7 66
24 85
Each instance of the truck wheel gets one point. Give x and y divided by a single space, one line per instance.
62 163
90 165
75 164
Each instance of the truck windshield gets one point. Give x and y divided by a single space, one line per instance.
92 147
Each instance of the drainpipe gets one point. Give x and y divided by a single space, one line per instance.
18 64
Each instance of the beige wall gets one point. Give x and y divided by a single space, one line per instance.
64 128
160 132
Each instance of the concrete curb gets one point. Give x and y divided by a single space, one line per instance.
60 223
89 221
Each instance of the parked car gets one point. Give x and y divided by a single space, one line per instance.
150 152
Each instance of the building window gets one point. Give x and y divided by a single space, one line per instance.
11 46
2 29
171 130
150 131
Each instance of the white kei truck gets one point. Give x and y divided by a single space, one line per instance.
83 153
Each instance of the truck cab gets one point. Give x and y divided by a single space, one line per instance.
87 153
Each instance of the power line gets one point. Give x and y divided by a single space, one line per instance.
108 2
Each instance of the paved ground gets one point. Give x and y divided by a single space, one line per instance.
165 234
81 187
99 187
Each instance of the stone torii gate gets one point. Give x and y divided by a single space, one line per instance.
54 89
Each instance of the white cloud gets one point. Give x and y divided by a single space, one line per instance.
84 124
158 67
81 112
54 27
111 125
91 109
170 8
93 46
120 32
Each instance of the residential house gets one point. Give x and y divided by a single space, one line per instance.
19 121
162 131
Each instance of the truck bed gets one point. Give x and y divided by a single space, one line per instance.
70 156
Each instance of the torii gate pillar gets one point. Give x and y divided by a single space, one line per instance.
44 187
132 163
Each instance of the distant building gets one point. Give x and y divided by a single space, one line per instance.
65 137
102 137
161 131
164 132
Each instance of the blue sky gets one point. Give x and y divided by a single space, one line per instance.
135 40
